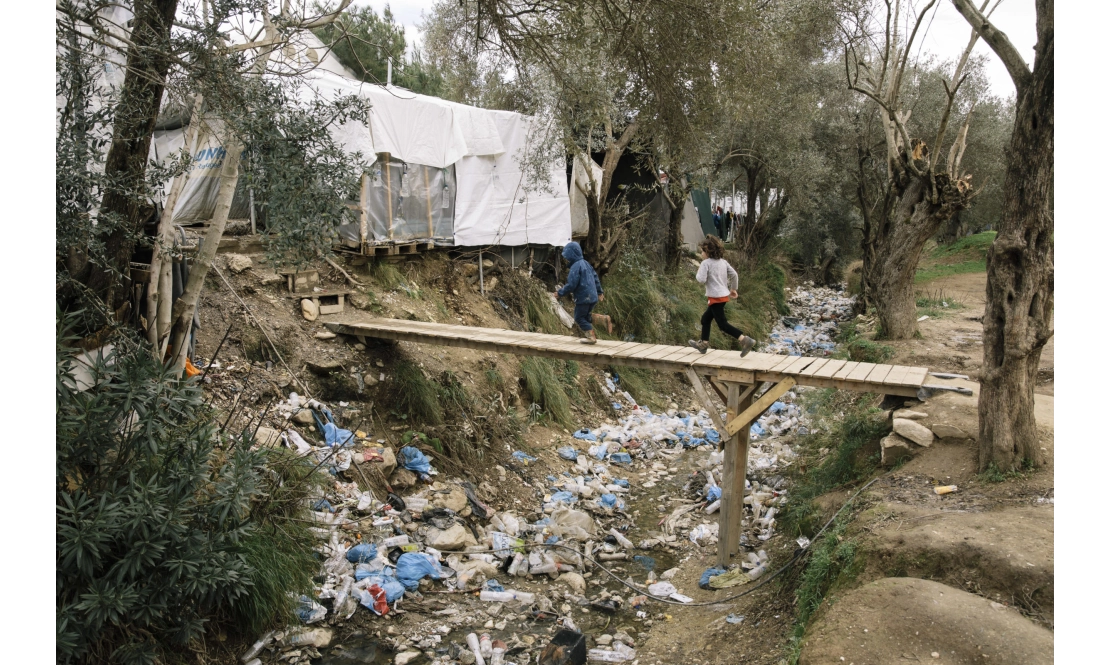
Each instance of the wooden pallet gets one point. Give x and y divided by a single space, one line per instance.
397 249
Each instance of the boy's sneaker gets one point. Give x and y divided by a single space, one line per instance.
702 345
746 344
588 340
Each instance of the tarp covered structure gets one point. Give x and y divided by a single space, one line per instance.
441 171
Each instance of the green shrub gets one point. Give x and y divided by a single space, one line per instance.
416 396
861 349
155 531
546 390
846 431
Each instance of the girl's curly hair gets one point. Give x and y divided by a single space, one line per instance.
712 246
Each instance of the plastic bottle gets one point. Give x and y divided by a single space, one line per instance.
498 657
519 567
625 543
475 648
496 596
713 507
757 572
396 541
258 646
486 645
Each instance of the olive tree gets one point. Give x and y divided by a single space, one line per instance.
1020 269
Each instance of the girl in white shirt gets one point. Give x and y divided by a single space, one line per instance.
720 281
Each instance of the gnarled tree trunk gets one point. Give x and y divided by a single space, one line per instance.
148 62
1018 318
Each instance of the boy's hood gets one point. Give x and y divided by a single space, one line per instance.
572 252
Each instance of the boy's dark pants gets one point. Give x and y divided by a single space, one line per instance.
582 315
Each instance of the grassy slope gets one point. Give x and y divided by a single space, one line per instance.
966 255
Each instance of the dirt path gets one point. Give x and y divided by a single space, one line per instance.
953 341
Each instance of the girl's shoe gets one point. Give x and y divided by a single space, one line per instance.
702 345
746 344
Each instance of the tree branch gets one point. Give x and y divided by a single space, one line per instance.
998 41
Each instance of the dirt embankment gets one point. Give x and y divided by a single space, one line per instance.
963 577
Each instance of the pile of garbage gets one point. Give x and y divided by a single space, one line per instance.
811 328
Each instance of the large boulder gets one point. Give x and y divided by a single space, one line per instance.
267 437
382 458
402 479
237 263
310 310
451 497
448 540
914 431
946 431
901 619
895 448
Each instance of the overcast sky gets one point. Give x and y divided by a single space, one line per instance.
947 36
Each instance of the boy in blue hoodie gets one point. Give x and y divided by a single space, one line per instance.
583 282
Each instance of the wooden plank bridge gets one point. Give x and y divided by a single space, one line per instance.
734 378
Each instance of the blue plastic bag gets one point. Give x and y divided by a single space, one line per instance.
334 436
494 585
647 562
620 482
712 436
322 505
413 567
414 460
522 456
710 572
568 453
713 494
777 407
393 589
362 553
310 611
757 430
610 501
564 497
620 458
585 435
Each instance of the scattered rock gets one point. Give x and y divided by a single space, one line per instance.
491 283
469 269
303 417
576 582
604 640
466 657
310 310
237 263
358 301
486 263
325 334
455 538
402 479
453 499
324 367
370 378
267 437
909 414
944 431
895 448
914 431
388 460
406 657
360 347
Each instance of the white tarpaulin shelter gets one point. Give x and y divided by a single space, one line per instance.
443 171
493 205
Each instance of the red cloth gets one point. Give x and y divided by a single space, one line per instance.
714 301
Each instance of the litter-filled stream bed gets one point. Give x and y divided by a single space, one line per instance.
434 574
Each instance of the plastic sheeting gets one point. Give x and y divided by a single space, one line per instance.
408 201
494 206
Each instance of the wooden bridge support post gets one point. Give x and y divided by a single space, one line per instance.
732 485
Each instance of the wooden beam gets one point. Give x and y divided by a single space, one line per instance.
721 391
762 404
699 390
732 485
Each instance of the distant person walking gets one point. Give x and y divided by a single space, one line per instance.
720 281
717 220
583 282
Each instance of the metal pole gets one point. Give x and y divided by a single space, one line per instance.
254 229
388 72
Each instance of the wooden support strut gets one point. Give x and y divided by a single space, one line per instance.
762 404
734 481
699 390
